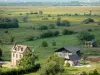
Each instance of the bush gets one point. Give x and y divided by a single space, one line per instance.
85 36
30 38
43 27
89 20
53 66
65 23
49 34
52 26
67 32
44 44
21 71
89 30
68 64
9 25
6 31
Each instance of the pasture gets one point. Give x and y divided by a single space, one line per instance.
26 29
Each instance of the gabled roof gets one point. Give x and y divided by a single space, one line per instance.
69 49
23 47
62 50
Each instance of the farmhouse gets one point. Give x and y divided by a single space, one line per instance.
17 53
70 54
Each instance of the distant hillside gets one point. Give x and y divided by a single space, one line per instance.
72 3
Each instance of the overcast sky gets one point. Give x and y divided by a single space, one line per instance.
44 0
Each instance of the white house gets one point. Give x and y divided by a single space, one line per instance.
70 54
17 53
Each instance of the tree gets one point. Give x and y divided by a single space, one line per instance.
65 23
43 27
25 18
40 12
27 61
53 66
67 32
58 23
52 26
89 20
12 38
44 44
85 36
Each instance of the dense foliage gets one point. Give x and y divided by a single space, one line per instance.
53 66
44 44
49 34
27 61
67 32
85 36
9 23
89 20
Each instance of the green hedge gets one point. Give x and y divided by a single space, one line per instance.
9 25
21 71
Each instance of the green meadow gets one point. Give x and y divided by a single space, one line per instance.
26 30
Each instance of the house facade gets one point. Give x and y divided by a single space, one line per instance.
70 54
17 53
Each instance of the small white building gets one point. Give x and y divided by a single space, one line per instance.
17 53
70 54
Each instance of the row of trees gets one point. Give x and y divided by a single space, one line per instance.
62 23
9 23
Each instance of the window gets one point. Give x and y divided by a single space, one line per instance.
13 55
21 49
20 56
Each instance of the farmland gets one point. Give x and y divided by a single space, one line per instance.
30 28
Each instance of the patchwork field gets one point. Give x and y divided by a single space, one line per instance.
26 29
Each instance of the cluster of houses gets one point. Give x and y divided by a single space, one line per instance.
71 54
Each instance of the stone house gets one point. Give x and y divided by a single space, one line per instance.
71 55
17 53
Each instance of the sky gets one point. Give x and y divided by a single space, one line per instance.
45 0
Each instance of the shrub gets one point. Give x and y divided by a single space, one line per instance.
49 34
58 23
89 30
44 44
53 66
52 26
68 64
9 25
65 23
89 20
30 38
43 27
6 31
85 36
67 32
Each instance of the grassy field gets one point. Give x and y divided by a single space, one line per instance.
35 20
